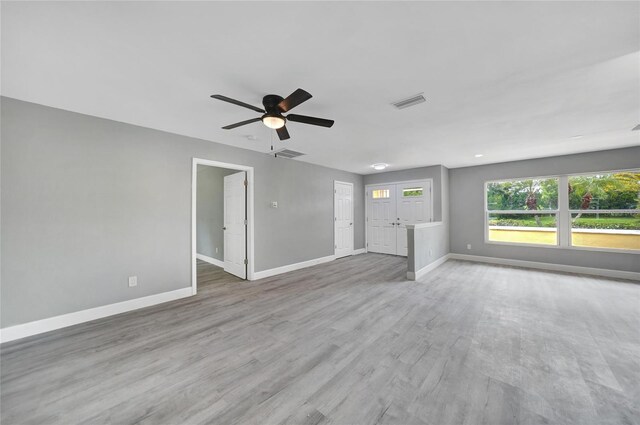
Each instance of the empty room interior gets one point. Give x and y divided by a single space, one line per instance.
341 213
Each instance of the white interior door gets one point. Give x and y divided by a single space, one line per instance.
413 201
235 229
381 219
343 219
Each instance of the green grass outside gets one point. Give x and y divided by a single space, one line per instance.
589 222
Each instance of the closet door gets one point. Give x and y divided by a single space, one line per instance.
413 202
381 220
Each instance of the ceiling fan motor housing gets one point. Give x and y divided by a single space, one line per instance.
271 102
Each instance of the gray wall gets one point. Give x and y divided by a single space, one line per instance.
426 245
467 207
210 211
87 202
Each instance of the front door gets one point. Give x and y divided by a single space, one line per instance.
381 222
235 228
343 219
412 209
390 208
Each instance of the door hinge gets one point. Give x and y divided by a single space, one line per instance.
367 244
335 246
367 218
335 218
246 183
245 222
335 191
246 261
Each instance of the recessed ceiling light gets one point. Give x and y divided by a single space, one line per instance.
478 155
578 136
379 166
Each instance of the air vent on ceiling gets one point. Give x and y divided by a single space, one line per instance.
636 128
286 153
413 100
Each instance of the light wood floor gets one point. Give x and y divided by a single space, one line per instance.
347 342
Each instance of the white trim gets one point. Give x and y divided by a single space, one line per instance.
359 251
291 267
525 228
210 260
57 322
250 215
573 230
429 267
423 225
353 212
548 266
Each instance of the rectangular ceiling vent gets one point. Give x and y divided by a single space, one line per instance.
413 100
636 128
286 153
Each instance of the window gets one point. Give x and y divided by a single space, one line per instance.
596 211
523 211
412 191
604 210
380 193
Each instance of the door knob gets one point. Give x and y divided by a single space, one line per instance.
350 224
224 228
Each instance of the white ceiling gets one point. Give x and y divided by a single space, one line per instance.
510 80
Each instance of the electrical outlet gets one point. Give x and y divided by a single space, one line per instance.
216 250
133 281
274 204
468 246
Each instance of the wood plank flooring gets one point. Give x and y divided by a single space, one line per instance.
347 342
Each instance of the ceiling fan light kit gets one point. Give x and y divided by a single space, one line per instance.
273 121
274 107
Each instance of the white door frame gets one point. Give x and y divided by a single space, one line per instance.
250 215
366 204
353 217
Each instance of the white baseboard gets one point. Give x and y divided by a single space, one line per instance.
426 269
52 323
210 260
548 266
359 251
291 267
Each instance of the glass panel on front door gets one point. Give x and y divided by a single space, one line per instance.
412 191
380 193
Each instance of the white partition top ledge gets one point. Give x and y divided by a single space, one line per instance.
423 225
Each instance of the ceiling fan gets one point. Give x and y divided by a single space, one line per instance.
274 106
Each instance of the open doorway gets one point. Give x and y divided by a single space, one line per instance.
221 220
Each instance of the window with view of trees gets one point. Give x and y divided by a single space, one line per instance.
599 210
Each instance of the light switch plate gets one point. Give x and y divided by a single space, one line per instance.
133 281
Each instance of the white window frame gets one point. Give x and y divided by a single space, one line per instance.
555 212
562 213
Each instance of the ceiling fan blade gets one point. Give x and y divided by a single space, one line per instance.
238 124
237 102
293 100
310 120
283 134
